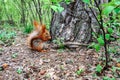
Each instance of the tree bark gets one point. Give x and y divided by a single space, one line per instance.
73 24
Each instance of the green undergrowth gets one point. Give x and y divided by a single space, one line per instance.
7 34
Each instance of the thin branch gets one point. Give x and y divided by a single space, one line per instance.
102 28
95 16
97 6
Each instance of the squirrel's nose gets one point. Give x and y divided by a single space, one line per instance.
50 37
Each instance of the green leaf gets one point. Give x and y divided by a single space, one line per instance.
99 68
14 55
67 1
108 78
110 30
118 69
107 36
100 41
57 8
60 9
78 72
117 3
97 47
108 9
94 34
117 10
1 69
113 69
19 71
91 45
54 1
54 8
86 1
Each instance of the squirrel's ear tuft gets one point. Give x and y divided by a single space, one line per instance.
36 24
43 28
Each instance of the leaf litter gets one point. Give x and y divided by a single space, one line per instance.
25 64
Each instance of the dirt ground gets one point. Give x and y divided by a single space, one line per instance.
25 64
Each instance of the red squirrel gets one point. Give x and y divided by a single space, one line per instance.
40 33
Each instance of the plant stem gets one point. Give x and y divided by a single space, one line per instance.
106 52
105 41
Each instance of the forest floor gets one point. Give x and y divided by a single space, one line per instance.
18 62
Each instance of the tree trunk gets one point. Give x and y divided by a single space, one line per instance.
73 24
23 18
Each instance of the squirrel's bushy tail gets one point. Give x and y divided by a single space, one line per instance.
41 33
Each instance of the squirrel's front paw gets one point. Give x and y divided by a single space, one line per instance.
43 50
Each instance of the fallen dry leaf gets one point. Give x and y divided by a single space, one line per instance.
5 65
118 65
42 72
